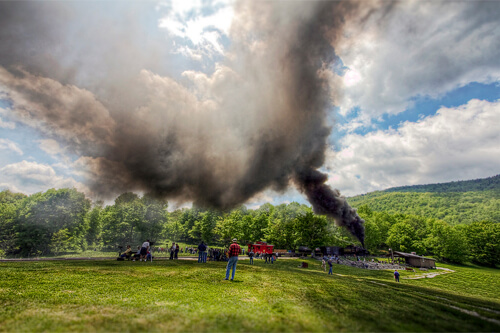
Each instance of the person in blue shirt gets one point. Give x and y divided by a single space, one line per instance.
330 272
396 275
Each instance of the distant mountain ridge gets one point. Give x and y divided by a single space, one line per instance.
460 202
482 184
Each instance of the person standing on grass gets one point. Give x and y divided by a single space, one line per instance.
250 255
172 251
234 252
202 252
323 265
396 275
177 248
144 250
330 272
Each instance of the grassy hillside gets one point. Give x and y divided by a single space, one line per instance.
454 208
460 202
186 296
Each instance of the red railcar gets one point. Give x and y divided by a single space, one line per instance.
261 247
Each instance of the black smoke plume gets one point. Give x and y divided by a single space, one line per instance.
259 122
326 201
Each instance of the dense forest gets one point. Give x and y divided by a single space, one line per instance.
461 202
452 207
58 221
483 184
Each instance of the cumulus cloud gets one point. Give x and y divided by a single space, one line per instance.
419 48
7 124
203 24
7 144
456 143
51 147
32 177
63 111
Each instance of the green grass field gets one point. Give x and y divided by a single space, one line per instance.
124 296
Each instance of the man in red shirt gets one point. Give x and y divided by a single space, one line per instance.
234 251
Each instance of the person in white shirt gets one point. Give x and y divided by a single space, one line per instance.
144 250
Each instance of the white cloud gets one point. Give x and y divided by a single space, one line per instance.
187 20
9 145
418 49
51 147
5 112
7 124
32 177
455 144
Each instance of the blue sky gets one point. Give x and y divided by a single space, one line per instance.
416 98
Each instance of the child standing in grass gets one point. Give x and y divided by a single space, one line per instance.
396 275
323 265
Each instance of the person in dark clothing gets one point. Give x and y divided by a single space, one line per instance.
330 272
202 253
172 251
250 255
396 275
177 248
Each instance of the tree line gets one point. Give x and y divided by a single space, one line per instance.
452 207
474 185
478 241
64 220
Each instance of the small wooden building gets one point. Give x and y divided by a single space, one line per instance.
415 260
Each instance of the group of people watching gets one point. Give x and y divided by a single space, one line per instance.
215 254
230 255
270 258
329 260
174 251
143 252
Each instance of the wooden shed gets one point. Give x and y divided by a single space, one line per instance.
415 260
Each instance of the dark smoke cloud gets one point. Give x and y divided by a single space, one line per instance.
258 122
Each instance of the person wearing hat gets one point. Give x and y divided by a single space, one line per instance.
234 251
